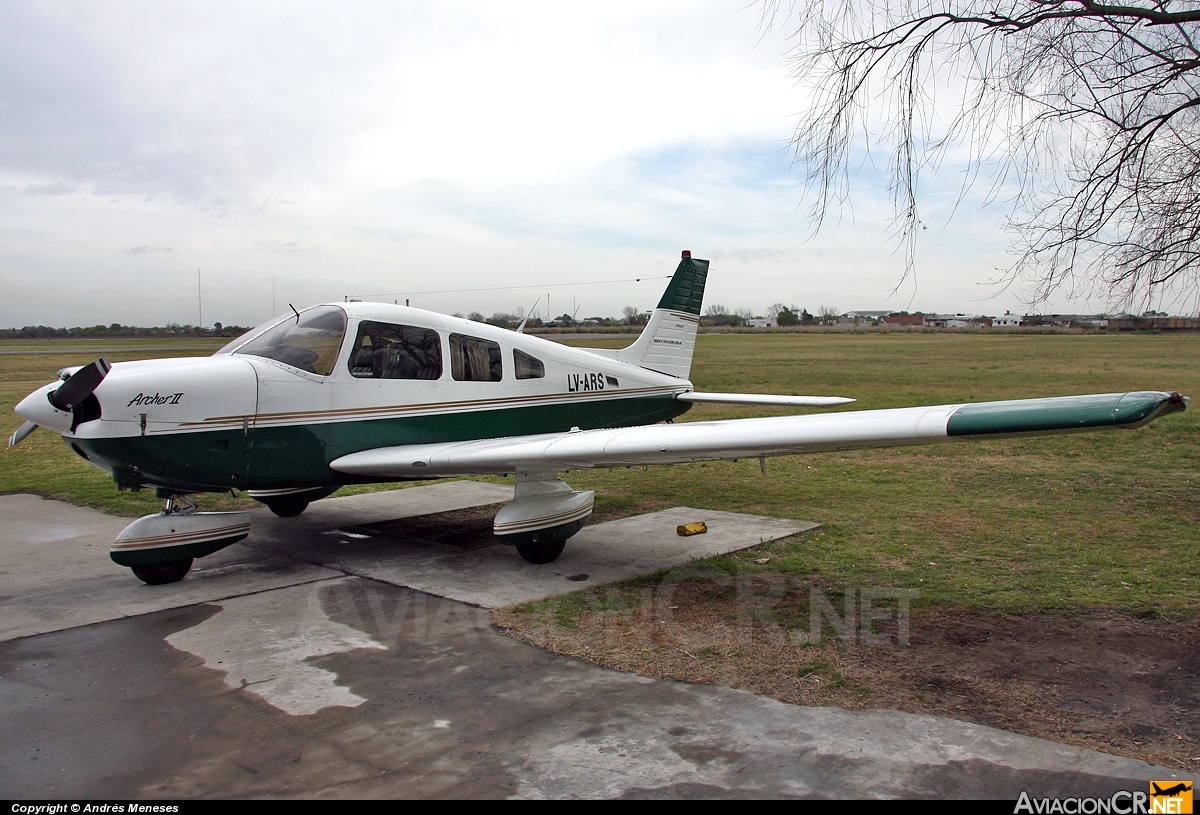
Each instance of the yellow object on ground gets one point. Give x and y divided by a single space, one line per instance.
698 528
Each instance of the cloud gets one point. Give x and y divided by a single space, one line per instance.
54 188
143 249
288 246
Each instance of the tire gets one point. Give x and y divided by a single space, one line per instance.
288 506
540 553
158 574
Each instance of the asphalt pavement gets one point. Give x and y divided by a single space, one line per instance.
318 660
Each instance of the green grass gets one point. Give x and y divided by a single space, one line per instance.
1016 525
1034 524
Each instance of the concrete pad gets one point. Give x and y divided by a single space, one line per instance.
497 576
55 572
178 704
265 643
388 505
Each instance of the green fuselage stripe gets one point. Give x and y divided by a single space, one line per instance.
299 455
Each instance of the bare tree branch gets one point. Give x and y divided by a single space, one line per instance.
1090 111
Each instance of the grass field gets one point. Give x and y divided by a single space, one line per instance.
1107 520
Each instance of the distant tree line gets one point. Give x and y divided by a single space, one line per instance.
116 330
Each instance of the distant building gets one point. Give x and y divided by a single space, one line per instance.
760 322
1008 320
1127 322
956 321
863 317
905 319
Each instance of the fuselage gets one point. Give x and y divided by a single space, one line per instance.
274 407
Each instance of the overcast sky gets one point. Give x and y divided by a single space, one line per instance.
305 152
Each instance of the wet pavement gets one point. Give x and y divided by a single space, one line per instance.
267 675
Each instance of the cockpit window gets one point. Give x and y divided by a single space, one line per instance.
309 342
387 351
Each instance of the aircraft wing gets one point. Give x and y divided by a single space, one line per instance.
744 438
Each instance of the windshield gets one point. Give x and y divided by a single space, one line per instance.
231 346
309 342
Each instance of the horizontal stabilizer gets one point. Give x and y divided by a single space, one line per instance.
764 399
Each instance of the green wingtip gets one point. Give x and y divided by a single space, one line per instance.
685 292
1063 413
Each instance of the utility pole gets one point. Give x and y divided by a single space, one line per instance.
199 297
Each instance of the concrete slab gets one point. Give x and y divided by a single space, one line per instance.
264 675
404 695
497 576
55 572
373 507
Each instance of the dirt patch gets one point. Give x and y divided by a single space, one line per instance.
469 528
1100 679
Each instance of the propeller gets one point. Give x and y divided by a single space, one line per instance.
22 431
79 385
58 410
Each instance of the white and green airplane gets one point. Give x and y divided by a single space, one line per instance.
349 393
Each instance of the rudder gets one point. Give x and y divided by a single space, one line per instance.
668 341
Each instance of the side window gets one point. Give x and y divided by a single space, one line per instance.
387 351
475 360
527 367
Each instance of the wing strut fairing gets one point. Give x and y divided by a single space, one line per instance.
773 436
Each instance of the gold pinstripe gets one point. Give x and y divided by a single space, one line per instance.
396 411
181 537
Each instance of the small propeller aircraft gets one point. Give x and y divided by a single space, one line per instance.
347 393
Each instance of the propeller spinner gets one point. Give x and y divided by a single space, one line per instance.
58 409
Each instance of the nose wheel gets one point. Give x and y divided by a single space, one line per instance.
160 548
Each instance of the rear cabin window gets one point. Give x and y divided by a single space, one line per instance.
309 341
388 351
527 367
475 360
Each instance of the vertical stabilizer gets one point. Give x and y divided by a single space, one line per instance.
668 341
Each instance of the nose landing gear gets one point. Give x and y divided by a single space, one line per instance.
160 548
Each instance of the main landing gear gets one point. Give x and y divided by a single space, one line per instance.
160 548
544 512
288 503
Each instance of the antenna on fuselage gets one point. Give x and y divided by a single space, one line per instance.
521 327
293 308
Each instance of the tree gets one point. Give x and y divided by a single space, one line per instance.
1090 111
786 317
828 315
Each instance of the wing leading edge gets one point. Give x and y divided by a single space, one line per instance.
779 435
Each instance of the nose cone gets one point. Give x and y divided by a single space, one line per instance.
36 408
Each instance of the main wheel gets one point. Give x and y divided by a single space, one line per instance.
156 574
540 553
288 506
